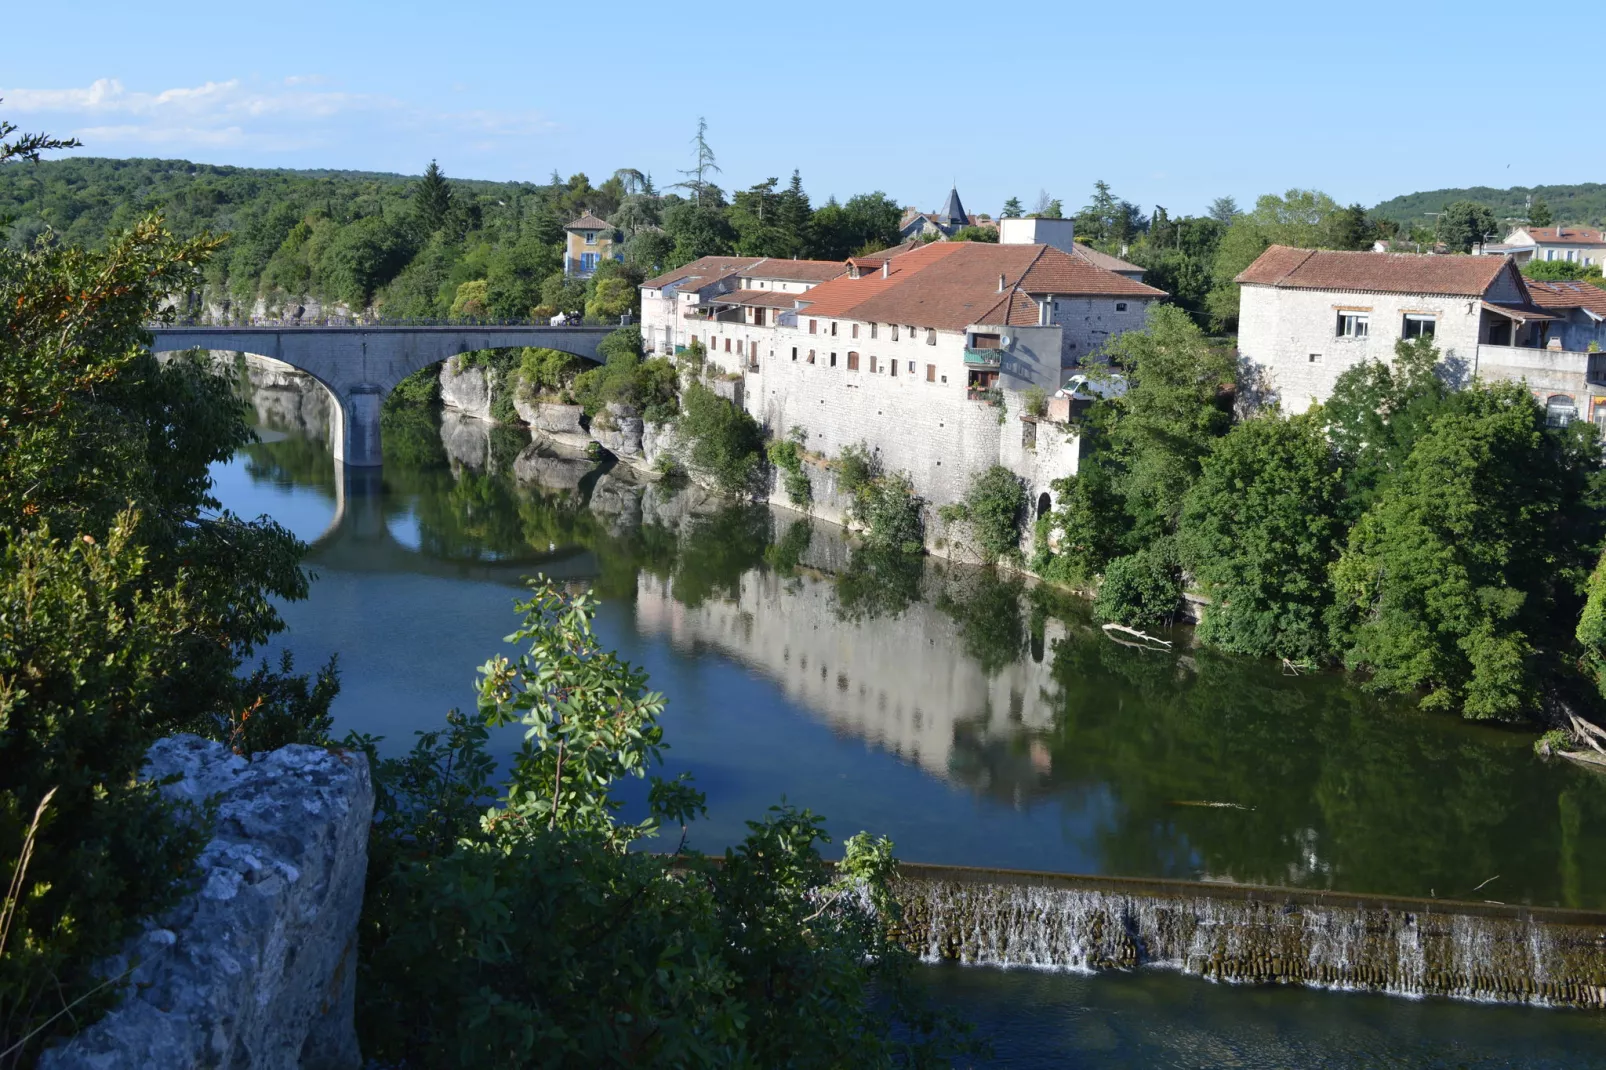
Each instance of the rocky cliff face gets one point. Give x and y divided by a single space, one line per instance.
469 390
257 970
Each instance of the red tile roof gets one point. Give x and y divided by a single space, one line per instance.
1567 294
1103 260
950 285
795 270
705 269
1566 235
766 298
1320 269
587 221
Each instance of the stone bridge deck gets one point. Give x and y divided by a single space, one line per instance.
360 365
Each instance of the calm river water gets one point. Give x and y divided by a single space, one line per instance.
974 720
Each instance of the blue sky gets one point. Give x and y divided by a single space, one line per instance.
1171 103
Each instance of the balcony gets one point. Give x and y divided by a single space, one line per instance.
982 358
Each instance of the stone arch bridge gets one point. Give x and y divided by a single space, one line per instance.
360 365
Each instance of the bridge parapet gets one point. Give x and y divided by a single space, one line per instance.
360 365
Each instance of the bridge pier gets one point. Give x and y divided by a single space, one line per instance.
354 426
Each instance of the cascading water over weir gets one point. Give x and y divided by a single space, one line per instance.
1243 933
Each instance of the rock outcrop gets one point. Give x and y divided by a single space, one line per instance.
469 390
256 970
550 418
618 430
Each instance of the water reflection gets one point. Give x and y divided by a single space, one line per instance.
976 718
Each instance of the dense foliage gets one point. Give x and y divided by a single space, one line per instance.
431 247
1583 203
548 943
993 509
128 601
1436 540
722 440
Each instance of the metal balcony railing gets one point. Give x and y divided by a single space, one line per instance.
982 358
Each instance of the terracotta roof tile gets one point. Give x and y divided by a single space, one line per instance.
765 298
1103 260
950 285
705 269
796 270
1566 235
1567 294
1321 269
587 221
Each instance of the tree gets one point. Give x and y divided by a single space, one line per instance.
755 216
1457 574
130 602
1377 412
514 277
1539 213
588 953
1464 224
1259 531
1012 208
1350 228
696 230
432 201
1097 222
702 166
793 214
362 257
981 234
1223 210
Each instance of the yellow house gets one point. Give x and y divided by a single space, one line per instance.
590 241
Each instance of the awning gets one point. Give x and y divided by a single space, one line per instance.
1522 313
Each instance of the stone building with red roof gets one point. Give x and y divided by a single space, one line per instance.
1307 315
912 352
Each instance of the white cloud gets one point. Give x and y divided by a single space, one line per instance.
296 112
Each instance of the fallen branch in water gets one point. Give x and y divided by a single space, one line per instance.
1213 805
1108 628
1490 881
1586 731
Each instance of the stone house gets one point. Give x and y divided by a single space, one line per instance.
1576 245
588 241
1307 316
746 289
916 355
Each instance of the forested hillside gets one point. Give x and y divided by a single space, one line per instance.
1583 204
430 246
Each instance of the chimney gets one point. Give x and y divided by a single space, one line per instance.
1000 284
886 269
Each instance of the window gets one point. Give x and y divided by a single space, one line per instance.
931 373
811 356
911 367
1120 306
1352 324
1550 254
727 345
853 362
591 237
833 328
814 326
1315 358
752 352
894 366
588 261
931 336
872 332
855 330
1418 325
872 364
694 339
794 353
1560 410
833 360
894 327
1571 255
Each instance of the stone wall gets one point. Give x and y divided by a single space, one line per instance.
257 970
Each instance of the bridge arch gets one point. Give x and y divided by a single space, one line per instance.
361 365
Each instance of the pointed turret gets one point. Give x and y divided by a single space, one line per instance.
953 213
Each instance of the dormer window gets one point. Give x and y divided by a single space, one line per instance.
591 237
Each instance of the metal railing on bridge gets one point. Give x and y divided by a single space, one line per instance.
384 321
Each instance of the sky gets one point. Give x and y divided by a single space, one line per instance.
1173 104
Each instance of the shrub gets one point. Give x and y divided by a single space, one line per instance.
1035 400
420 390
722 440
528 933
1140 590
854 468
994 508
787 456
548 373
645 385
889 512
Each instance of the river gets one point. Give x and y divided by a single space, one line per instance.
974 719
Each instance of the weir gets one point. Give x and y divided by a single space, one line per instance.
1256 934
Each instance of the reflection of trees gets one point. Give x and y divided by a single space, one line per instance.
292 461
878 584
987 608
713 551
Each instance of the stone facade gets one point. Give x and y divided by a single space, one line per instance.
257 970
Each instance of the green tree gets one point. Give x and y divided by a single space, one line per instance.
1464 224
1376 414
703 165
981 234
1012 209
432 201
1457 573
1223 210
587 953
1539 213
993 508
1259 530
516 275
725 441
362 257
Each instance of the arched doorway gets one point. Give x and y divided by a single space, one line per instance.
1045 505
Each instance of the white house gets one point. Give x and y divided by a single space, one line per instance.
1307 316
712 285
1585 246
